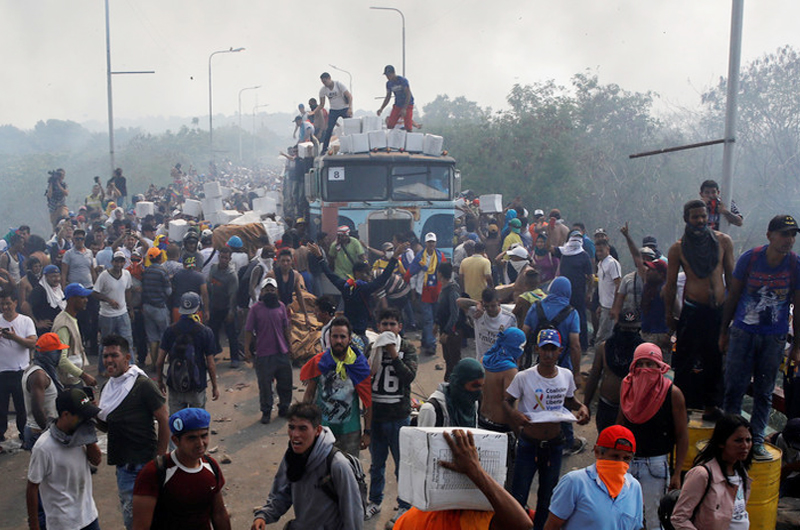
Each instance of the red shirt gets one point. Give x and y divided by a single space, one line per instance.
187 496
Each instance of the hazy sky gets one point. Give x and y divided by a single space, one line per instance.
54 63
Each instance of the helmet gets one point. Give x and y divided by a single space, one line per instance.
207 233
191 235
235 242
665 507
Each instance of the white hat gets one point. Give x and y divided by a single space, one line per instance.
268 281
518 251
430 236
538 213
120 254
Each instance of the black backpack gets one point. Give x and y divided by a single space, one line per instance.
543 323
184 374
326 482
667 503
243 291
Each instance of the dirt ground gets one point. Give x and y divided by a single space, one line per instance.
255 450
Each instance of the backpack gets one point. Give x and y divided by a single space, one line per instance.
161 470
184 374
667 503
243 291
542 323
326 482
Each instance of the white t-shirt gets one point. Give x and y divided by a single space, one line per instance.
740 519
335 95
65 483
608 270
239 260
486 329
115 289
541 394
206 253
14 357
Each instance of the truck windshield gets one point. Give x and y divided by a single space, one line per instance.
355 183
420 183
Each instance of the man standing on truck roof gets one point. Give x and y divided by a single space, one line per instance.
341 105
403 99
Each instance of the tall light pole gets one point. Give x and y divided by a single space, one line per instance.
350 87
210 109
404 31
734 60
240 118
109 73
254 128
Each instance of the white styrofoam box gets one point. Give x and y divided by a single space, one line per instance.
265 205
351 126
371 123
193 208
145 208
396 139
226 192
224 217
377 139
177 229
415 142
345 144
433 145
360 142
211 205
246 219
212 189
305 150
492 203
429 486
274 229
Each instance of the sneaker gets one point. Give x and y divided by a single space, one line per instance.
760 453
265 419
578 445
398 515
372 510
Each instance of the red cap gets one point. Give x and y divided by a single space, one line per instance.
617 437
50 342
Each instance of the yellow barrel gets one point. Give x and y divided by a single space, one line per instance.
698 430
762 507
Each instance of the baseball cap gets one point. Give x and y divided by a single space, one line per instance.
75 401
269 281
300 220
629 318
207 233
120 255
549 336
538 213
647 253
190 303
791 433
516 223
388 69
344 229
494 228
657 265
518 251
781 223
190 419
387 246
430 236
600 231
649 241
75 289
50 342
50 269
617 437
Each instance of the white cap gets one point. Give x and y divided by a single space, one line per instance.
430 236
268 281
537 213
120 254
518 251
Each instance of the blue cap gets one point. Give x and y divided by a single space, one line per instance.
189 420
50 269
76 289
235 242
190 303
549 336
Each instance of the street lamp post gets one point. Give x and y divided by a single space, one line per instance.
210 109
240 118
254 129
404 31
348 74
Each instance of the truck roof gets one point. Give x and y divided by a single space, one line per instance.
385 157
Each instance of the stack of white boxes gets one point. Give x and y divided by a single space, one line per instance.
212 204
361 135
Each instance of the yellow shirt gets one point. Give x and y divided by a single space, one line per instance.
474 270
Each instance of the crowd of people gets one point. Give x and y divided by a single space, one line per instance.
535 295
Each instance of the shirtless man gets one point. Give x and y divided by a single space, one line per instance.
290 282
612 359
543 389
707 259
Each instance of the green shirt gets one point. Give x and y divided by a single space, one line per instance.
345 257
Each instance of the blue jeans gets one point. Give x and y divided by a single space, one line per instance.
120 325
653 475
531 457
759 356
333 116
126 478
428 340
385 437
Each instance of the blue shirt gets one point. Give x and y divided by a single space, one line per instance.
582 500
398 85
571 324
763 307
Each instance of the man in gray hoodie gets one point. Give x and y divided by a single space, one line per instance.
297 482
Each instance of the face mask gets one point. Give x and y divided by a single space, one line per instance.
389 254
270 299
612 473
518 265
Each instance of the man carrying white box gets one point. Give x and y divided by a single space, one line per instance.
341 104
